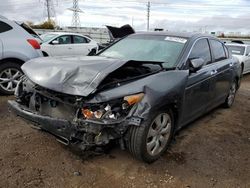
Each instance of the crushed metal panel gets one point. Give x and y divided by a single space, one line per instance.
70 75
168 85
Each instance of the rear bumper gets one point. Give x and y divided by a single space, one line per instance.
58 127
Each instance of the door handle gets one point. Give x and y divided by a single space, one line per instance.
231 64
213 72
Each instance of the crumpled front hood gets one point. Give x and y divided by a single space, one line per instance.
70 75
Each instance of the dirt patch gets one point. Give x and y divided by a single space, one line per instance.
213 151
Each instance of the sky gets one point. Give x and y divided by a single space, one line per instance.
178 15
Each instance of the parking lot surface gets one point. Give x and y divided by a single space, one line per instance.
213 151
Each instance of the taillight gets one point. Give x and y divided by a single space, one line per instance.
34 43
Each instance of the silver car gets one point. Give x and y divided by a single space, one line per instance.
242 52
17 45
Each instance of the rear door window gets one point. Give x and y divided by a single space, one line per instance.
201 50
4 27
218 50
79 39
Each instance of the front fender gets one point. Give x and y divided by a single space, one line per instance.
160 90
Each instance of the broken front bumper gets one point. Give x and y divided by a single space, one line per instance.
86 131
58 127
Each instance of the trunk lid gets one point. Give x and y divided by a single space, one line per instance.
119 32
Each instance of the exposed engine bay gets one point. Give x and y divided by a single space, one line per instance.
131 71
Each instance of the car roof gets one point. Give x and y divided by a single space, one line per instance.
64 33
237 44
176 34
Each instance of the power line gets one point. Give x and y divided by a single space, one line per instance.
148 14
50 9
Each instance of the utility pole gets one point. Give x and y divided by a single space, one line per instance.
148 14
76 18
50 10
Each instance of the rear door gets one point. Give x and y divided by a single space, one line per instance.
223 73
64 46
81 45
199 87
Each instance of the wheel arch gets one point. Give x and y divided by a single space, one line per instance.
14 60
45 54
237 78
242 66
173 107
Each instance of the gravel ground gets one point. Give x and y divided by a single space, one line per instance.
213 151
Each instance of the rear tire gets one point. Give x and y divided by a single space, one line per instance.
10 73
231 96
150 140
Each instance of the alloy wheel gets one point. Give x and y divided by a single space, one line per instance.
159 134
9 78
232 93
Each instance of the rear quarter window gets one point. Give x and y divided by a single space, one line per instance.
4 27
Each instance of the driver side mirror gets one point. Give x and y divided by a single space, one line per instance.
55 42
196 64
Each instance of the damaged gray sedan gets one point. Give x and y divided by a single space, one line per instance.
138 92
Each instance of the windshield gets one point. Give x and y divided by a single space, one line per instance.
47 37
154 48
236 50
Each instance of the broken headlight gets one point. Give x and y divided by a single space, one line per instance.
113 109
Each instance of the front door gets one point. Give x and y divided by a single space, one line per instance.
64 46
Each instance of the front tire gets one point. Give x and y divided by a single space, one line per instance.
150 140
10 74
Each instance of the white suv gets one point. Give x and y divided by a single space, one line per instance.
17 46
242 52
